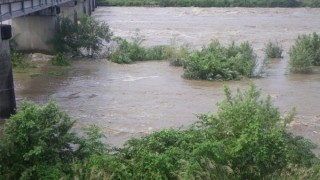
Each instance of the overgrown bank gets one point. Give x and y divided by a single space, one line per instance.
212 3
245 139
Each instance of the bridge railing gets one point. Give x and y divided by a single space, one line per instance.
15 8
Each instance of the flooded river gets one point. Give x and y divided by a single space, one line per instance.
133 100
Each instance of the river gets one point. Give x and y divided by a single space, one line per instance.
133 100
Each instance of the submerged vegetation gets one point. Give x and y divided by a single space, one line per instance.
211 3
218 62
273 50
245 139
17 58
60 60
214 62
305 53
18 61
128 52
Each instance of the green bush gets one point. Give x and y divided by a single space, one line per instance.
128 52
179 55
273 50
60 60
33 138
71 37
37 143
245 139
160 52
305 53
216 62
18 60
124 53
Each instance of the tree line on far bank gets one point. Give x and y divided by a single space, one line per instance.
212 3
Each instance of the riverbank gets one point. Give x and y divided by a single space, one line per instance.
212 3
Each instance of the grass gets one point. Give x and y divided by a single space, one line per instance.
34 74
55 73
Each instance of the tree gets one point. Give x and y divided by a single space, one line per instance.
88 35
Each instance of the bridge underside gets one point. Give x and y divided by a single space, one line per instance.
14 8
33 23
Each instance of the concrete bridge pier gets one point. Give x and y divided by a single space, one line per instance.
34 32
7 95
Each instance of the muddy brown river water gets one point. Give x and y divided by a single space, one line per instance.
136 99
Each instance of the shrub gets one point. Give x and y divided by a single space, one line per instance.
122 54
217 62
127 52
37 143
33 138
60 60
18 60
246 139
160 52
179 55
273 50
71 37
305 53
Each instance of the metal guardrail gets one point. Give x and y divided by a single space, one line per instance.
15 8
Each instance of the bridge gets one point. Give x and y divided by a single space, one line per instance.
32 23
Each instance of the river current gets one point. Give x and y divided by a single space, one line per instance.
133 100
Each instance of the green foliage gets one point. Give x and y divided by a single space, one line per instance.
311 3
178 55
124 51
273 50
160 52
33 138
211 3
88 34
35 74
55 73
97 167
296 172
127 52
216 62
252 133
60 60
37 144
18 60
245 139
13 43
305 53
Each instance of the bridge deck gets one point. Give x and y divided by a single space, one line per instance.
14 8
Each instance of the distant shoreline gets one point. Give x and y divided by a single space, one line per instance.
212 3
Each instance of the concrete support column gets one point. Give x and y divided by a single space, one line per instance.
7 96
34 32
89 7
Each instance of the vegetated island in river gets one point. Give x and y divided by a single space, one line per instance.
212 3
